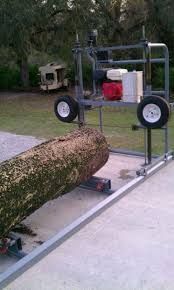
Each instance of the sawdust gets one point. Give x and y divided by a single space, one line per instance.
23 229
124 174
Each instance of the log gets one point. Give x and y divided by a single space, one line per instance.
46 172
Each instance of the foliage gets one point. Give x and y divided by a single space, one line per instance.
49 27
10 77
87 73
33 76
158 80
25 25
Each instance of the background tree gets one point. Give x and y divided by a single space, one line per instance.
49 26
25 25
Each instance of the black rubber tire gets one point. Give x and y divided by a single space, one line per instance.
163 106
73 107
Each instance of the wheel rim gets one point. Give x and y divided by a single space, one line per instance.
152 113
63 109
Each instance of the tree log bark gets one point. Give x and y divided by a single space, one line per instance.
46 172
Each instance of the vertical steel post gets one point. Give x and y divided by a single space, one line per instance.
91 57
145 147
167 86
101 119
79 81
148 76
144 40
149 146
167 93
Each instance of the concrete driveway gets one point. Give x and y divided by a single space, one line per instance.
130 246
12 144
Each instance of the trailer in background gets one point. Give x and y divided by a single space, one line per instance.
53 77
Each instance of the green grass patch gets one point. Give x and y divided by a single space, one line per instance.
32 114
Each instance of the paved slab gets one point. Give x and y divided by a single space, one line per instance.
129 246
12 144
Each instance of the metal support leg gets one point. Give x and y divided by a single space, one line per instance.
149 145
79 81
101 119
166 140
145 147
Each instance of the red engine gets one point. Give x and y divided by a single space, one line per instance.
112 91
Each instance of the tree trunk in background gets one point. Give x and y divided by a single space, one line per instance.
46 172
24 71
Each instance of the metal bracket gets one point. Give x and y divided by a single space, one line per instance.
165 158
12 245
98 184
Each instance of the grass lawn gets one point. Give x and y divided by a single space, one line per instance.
32 114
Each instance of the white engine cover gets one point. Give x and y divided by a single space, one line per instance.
133 86
116 74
